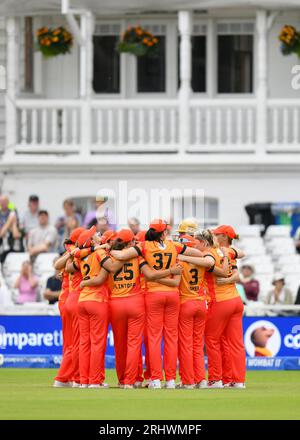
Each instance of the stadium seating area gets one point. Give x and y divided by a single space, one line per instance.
43 268
269 255
275 252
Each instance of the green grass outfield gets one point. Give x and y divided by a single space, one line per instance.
28 394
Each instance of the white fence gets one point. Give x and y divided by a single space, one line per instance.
214 125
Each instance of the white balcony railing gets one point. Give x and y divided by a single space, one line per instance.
215 126
220 124
133 125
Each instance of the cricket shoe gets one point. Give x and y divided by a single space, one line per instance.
100 385
215 384
83 385
127 386
182 386
59 384
138 384
76 385
238 385
155 384
146 383
202 384
170 384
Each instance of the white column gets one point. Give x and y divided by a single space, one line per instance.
11 83
185 30
211 58
86 77
261 81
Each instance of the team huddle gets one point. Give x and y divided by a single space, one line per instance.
172 296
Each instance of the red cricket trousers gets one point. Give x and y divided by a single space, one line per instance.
147 373
225 319
65 371
226 361
71 310
93 326
192 317
127 320
162 310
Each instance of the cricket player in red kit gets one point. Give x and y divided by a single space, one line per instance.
225 234
192 318
93 315
66 374
224 321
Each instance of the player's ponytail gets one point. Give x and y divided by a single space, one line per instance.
152 235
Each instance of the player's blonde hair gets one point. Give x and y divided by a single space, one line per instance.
207 236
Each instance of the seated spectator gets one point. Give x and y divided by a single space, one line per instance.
53 287
69 221
250 284
9 232
27 284
279 294
43 238
102 214
134 224
30 218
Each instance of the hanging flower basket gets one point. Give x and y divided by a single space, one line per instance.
290 40
53 42
138 42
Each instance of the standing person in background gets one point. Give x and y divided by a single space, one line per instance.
134 224
250 284
43 238
53 286
69 221
27 284
9 232
30 219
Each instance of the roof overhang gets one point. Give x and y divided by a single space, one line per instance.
113 7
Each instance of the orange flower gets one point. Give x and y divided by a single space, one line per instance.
145 40
56 31
55 39
155 40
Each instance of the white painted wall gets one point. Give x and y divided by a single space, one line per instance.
59 75
234 190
